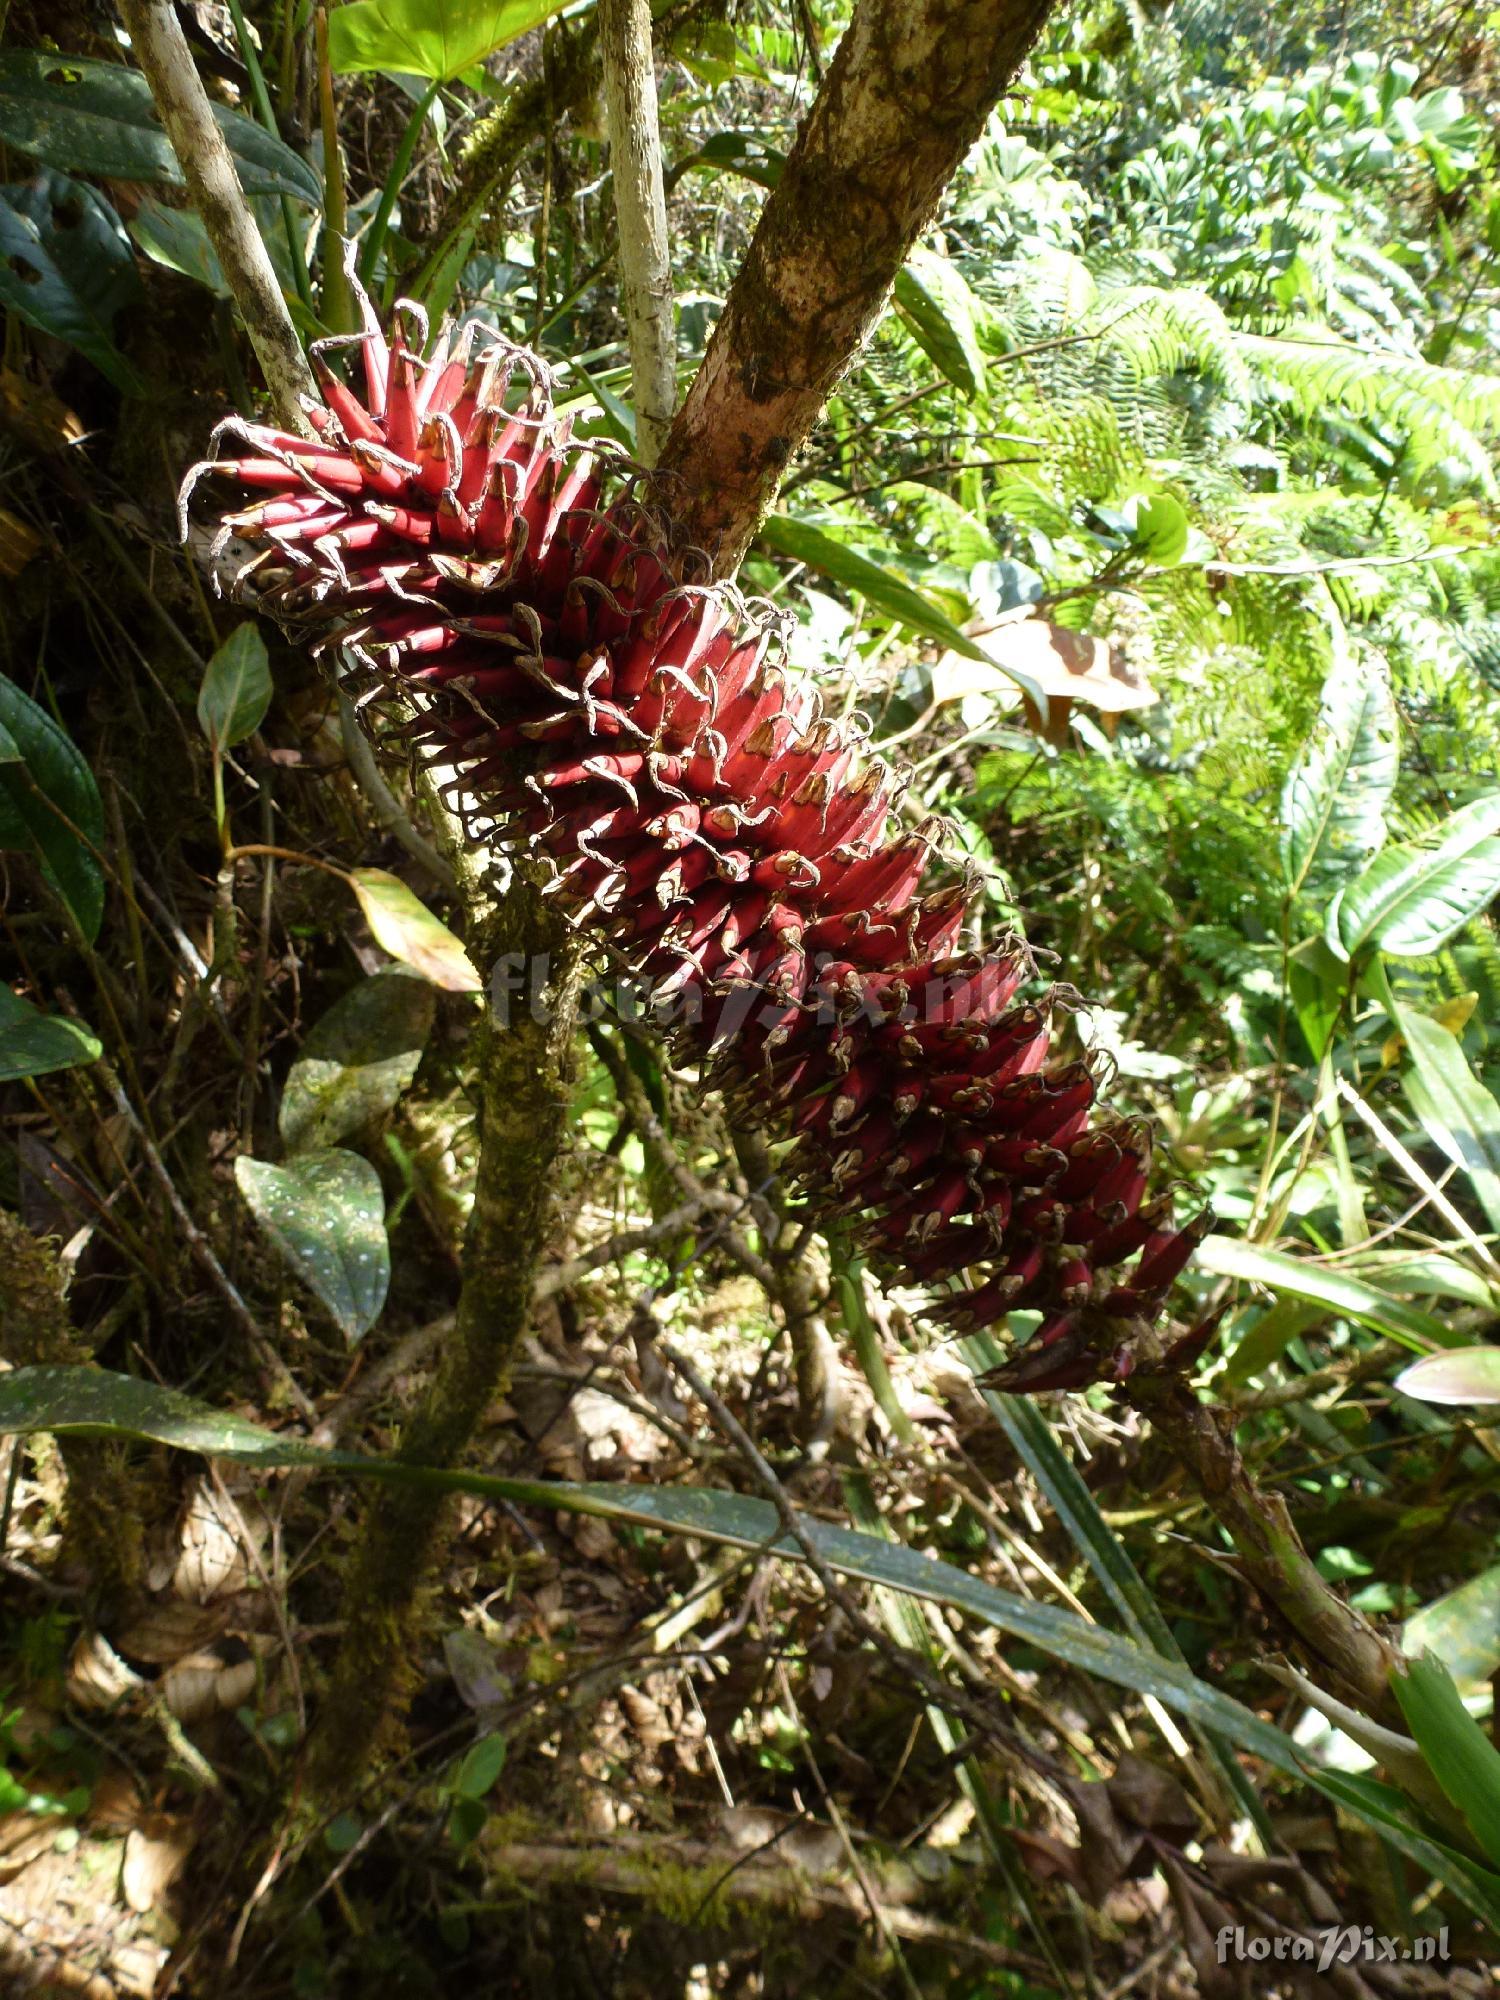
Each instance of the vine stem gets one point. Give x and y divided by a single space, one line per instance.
166 61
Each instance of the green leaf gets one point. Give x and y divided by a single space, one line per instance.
1462 1375
35 1044
404 926
236 690
325 1213
1333 808
92 117
1302 1278
1464 1761
91 1400
481 1765
937 302
1413 898
887 592
1159 528
176 239
1462 1627
432 38
357 1061
47 802
1455 1110
66 267
1316 978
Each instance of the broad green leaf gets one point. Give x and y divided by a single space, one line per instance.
1462 1375
404 926
1303 1278
1333 807
1464 1761
35 1044
87 116
936 300
1462 1627
49 806
91 1400
432 38
357 1061
176 239
325 1213
481 1766
1455 1110
1159 527
236 690
66 267
1413 898
889 593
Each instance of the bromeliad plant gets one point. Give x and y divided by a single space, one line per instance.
610 711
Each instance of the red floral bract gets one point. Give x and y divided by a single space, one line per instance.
746 852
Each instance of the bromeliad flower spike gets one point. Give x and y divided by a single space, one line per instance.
520 596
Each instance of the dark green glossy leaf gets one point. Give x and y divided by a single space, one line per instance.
236 690
66 267
49 806
92 117
35 1044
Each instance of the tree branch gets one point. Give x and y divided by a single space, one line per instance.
907 95
641 207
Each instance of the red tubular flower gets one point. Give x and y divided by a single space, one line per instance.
740 848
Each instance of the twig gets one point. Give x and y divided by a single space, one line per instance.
387 808
1344 1375
275 1375
162 52
909 1665
641 208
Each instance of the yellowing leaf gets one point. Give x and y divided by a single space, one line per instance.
407 929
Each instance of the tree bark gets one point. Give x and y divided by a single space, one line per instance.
641 209
906 96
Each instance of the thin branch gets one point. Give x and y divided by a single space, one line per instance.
161 50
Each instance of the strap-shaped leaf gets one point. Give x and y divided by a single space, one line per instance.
93 1400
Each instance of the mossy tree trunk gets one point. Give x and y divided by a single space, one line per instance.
523 1088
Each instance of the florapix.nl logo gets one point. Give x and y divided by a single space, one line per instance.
1334 1944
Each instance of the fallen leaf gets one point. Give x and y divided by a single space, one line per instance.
156 1852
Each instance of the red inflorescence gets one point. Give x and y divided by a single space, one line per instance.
744 851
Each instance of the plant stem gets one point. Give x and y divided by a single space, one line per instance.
375 237
267 117
338 306
641 207
161 50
